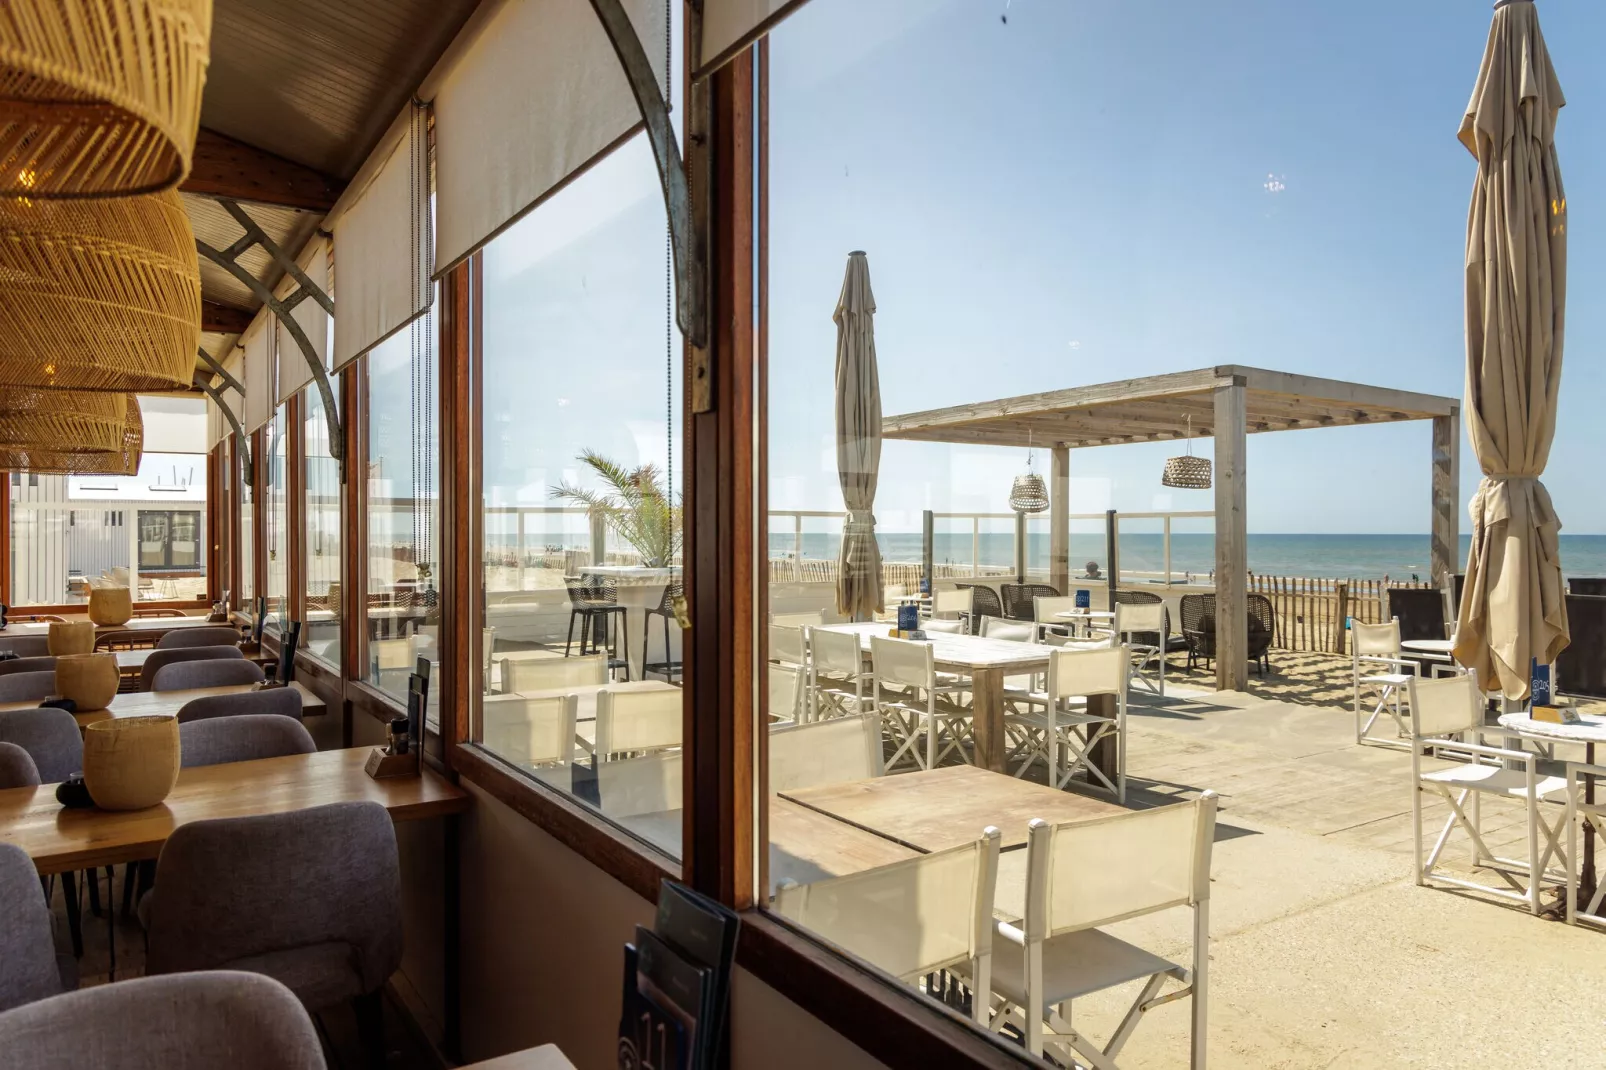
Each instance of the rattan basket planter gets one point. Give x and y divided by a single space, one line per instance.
103 97
89 420
90 680
1186 473
66 637
131 763
54 460
98 295
110 605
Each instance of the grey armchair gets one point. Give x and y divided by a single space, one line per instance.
30 663
221 902
27 686
212 673
244 738
242 1021
280 701
156 660
180 638
51 738
26 646
28 966
16 768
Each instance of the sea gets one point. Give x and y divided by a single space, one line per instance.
1359 557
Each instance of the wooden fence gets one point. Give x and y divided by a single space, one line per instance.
1311 612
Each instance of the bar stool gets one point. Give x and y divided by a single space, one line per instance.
666 610
594 605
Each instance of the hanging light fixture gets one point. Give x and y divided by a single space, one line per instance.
82 420
98 295
1187 472
102 97
1028 493
70 462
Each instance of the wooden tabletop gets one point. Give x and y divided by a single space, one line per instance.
58 839
941 808
131 661
157 703
961 653
546 1057
158 625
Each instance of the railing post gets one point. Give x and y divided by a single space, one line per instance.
797 536
1168 551
519 545
975 547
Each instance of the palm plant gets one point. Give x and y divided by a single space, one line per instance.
635 503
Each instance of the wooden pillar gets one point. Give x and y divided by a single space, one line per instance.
1232 556
1445 550
1059 520
458 571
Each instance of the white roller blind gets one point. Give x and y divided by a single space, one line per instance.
174 425
293 370
258 372
382 250
537 96
235 400
731 25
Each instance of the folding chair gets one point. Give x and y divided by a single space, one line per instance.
787 644
912 918
530 732
1146 619
1444 713
1063 725
1375 650
1045 614
826 752
959 602
837 677
1084 874
915 704
637 723
1595 814
786 692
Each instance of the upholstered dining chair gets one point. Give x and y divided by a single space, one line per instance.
181 638
186 675
27 686
279 701
51 738
158 660
242 738
28 967
29 663
16 768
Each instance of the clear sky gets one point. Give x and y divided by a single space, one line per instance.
1090 191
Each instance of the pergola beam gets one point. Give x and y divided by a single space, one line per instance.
224 319
229 169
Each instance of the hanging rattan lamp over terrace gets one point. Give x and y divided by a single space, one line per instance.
85 420
102 97
1187 472
98 295
72 462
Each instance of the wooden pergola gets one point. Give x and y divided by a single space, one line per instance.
1227 402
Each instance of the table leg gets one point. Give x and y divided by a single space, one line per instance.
1106 752
987 717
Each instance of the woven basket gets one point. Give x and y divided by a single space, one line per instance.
103 97
98 295
124 462
1186 473
90 420
70 637
131 763
90 680
110 605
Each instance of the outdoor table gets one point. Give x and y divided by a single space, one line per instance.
987 662
156 627
167 703
1086 617
1592 730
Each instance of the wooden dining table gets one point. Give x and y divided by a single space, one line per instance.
60 840
156 627
168 703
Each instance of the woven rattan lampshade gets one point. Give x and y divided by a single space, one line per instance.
98 295
122 462
1028 494
87 420
102 97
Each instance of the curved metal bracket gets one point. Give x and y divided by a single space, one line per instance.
228 379
281 311
234 421
691 305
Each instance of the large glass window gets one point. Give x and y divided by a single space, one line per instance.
322 532
403 507
247 562
581 515
275 523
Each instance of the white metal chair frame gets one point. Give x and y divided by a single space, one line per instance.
1148 665
1595 815
921 706
1444 713
1377 647
1073 675
637 723
836 675
959 600
1061 923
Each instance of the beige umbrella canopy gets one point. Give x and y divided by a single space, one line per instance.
858 442
1512 608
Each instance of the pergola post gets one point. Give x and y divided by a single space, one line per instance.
1059 520
1445 550
1232 551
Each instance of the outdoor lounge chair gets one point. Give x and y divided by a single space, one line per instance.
984 603
1199 629
1020 598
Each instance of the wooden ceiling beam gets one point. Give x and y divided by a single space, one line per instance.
233 170
224 319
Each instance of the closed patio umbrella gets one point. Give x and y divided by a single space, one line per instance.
1512 608
858 443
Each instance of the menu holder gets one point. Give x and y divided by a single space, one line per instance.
677 984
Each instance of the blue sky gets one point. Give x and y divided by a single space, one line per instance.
1092 191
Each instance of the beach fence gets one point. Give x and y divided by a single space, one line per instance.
1312 611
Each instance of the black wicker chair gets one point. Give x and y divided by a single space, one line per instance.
1199 629
595 604
1420 611
984 603
1018 598
666 610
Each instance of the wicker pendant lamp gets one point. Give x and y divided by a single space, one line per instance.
98 295
85 420
1187 472
71 462
1028 493
102 97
